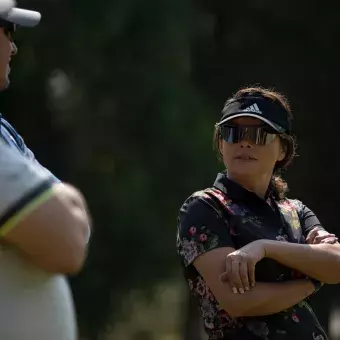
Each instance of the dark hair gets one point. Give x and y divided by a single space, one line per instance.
279 186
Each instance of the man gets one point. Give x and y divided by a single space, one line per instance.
44 227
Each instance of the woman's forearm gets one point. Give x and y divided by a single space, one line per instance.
319 261
269 298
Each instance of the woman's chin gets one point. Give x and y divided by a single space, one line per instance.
245 168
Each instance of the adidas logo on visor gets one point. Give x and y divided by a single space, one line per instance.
253 108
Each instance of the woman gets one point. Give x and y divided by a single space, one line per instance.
244 220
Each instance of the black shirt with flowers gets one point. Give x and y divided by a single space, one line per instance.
227 215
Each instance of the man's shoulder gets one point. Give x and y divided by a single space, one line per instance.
14 140
8 126
10 135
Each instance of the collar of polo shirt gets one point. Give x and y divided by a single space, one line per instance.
235 191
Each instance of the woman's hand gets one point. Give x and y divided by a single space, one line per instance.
240 266
317 236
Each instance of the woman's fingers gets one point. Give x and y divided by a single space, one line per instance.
239 276
329 240
239 272
311 236
320 238
225 276
251 274
317 236
244 276
234 278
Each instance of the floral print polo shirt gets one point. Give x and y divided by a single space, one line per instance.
227 215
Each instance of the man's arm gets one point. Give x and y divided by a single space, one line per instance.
320 261
46 221
54 235
263 299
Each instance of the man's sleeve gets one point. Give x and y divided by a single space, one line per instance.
200 229
14 139
24 185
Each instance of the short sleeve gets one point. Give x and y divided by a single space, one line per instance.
23 186
308 219
15 141
200 229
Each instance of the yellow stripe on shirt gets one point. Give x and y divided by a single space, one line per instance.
25 211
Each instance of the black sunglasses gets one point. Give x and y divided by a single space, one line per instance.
9 28
259 134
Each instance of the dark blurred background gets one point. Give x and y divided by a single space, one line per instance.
120 97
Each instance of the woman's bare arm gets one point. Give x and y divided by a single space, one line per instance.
263 299
320 261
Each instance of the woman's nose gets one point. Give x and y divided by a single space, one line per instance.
245 143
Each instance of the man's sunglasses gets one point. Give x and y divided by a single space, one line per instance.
260 135
9 28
